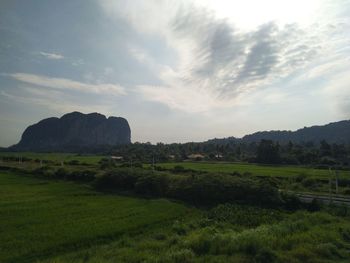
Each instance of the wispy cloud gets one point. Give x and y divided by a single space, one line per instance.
217 63
62 83
51 55
55 100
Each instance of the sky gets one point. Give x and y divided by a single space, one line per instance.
177 70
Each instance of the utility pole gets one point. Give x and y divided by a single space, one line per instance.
336 180
153 162
330 185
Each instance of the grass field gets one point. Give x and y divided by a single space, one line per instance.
58 222
255 169
40 219
56 157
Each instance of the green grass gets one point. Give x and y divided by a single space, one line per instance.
295 238
57 221
41 219
56 157
255 169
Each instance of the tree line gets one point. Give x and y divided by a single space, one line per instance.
321 154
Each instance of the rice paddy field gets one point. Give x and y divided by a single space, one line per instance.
216 167
40 218
255 169
56 157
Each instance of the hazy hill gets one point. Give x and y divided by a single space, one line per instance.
336 132
74 131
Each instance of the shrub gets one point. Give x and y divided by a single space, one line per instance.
309 182
300 177
291 201
202 189
73 162
61 173
178 169
106 163
327 250
179 228
200 242
314 206
44 170
84 175
153 185
121 179
244 215
345 234
265 255
181 256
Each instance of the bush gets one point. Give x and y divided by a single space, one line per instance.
202 189
121 179
61 173
346 191
314 206
247 216
84 175
44 170
200 242
178 169
300 177
106 163
153 185
73 162
291 201
265 255
309 182
181 256
214 189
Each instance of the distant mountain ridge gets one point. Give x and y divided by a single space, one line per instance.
335 132
74 131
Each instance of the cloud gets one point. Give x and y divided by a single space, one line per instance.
219 63
55 100
62 83
52 55
337 92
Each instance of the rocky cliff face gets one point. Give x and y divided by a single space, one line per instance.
75 131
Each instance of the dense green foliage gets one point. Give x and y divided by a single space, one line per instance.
197 188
